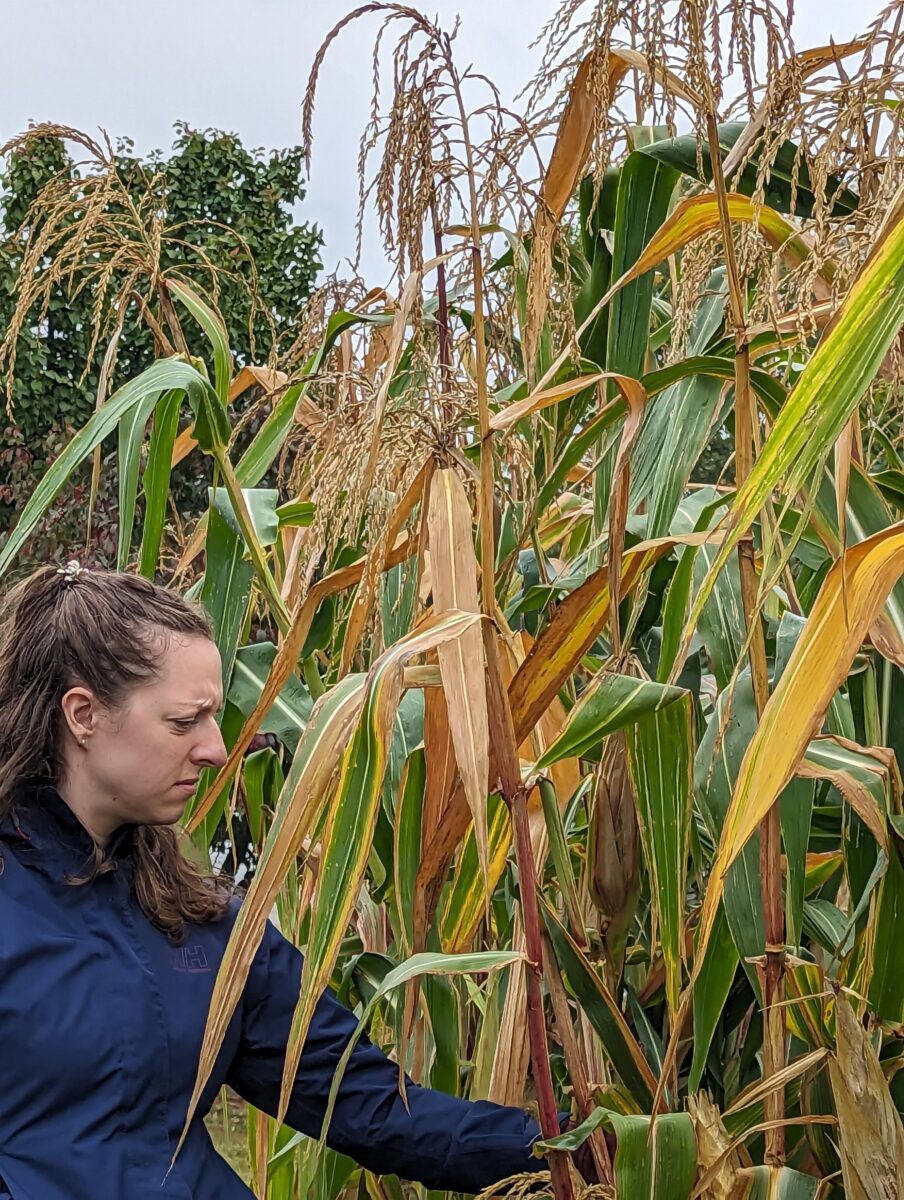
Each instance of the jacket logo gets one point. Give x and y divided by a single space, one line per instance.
191 960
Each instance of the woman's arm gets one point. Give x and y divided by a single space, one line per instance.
438 1140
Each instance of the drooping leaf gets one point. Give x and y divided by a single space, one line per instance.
140 394
454 570
787 170
298 808
654 1159
871 1136
347 838
610 702
827 391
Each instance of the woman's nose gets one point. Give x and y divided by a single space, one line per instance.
211 751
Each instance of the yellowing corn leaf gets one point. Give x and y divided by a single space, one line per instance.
692 219
852 594
826 393
453 565
299 805
284 664
871 1137
574 628
348 837
597 79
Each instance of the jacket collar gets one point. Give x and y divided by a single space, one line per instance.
44 832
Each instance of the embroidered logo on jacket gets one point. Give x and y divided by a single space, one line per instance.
190 959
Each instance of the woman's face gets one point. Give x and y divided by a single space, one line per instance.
141 762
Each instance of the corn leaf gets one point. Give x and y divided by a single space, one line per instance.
852 594
141 394
776 1183
290 711
347 839
226 586
572 630
654 1159
212 324
156 479
885 988
419 965
827 391
871 1136
716 766
407 847
609 702
602 1011
453 565
300 804
710 993
660 754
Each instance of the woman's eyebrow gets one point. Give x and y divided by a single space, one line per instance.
198 706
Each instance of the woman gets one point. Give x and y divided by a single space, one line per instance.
110 940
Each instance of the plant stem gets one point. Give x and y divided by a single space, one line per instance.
770 829
258 556
514 793
574 1061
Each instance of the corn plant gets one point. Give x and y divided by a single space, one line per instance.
580 564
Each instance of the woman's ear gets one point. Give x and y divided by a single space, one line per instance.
80 712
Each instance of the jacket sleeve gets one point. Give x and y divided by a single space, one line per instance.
439 1140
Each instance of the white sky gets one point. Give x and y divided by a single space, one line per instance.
133 67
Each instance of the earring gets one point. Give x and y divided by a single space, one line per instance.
82 741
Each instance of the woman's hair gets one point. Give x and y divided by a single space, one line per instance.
106 631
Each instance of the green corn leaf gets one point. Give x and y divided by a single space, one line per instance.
602 1011
131 439
827 391
676 427
645 190
660 756
787 174
674 612
290 711
212 324
610 702
157 479
710 993
716 768
261 506
296 514
654 1159
407 849
164 376
226 587
263 779
885 990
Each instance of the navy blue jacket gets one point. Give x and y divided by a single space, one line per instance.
101 1021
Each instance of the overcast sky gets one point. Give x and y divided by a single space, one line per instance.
133 67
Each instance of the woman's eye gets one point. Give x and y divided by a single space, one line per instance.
184 723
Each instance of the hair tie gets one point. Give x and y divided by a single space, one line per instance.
71 570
